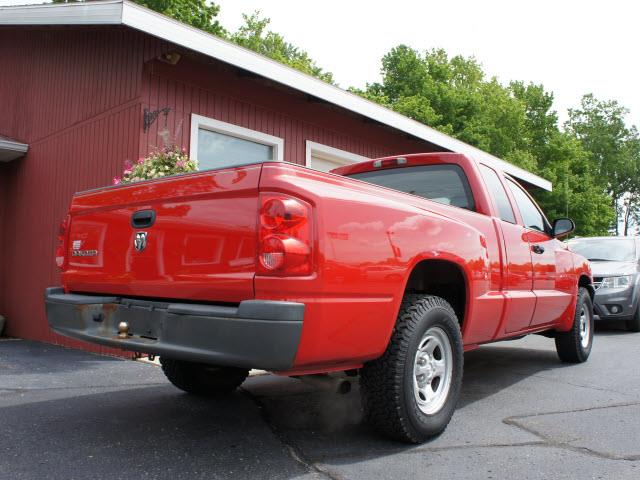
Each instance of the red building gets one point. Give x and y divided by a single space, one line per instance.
86 86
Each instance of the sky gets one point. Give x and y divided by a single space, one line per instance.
572 47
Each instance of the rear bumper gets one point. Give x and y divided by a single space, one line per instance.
256 334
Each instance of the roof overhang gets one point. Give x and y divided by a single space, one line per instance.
10 149
123 12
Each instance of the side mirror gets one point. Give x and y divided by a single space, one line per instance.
562 227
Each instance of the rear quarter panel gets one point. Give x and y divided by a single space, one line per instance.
367 241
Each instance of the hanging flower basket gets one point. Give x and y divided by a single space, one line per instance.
171 160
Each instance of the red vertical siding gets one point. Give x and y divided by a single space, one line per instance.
76 96
73 96
4 173
40 190
54 78
214 90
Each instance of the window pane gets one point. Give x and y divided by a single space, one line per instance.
530 214
324 164
217 150
499 194
441 183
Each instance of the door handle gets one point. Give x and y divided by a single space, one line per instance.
143 219
537 249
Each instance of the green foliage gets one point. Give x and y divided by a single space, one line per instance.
255 36
591 164
198 13
575 193
452 95
613 149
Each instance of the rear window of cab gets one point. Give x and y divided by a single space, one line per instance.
442 183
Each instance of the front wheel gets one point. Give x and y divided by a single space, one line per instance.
575 345
410 393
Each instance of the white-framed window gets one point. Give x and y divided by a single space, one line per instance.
325 158
217 144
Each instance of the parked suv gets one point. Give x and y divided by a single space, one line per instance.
615 266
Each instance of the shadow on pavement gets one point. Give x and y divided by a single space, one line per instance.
611 328
152 432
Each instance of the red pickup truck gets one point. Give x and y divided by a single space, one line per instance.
389 269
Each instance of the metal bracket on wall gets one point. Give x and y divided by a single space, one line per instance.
150 117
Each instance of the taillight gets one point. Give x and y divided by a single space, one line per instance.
284 236
61 249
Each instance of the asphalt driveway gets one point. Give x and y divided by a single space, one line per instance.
66 414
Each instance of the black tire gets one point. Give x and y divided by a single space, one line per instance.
387 383
202 379
569 345
633 324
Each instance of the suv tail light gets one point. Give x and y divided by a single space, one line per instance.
61 249
284 236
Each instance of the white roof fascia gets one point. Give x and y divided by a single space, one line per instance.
89 13
155 24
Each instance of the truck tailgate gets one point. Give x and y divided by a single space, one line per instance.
198 231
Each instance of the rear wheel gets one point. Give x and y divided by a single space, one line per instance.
633 324
202 379
575 345
410 393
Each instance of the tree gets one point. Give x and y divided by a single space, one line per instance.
613 148
560 158
255 36
198 13
576 194
453 96
515 122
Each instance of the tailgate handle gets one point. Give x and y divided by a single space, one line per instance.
143 219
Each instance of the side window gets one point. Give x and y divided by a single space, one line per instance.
530 214
499 194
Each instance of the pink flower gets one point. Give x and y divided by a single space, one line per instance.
117 180
180 163
140 160
128 171
128 165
